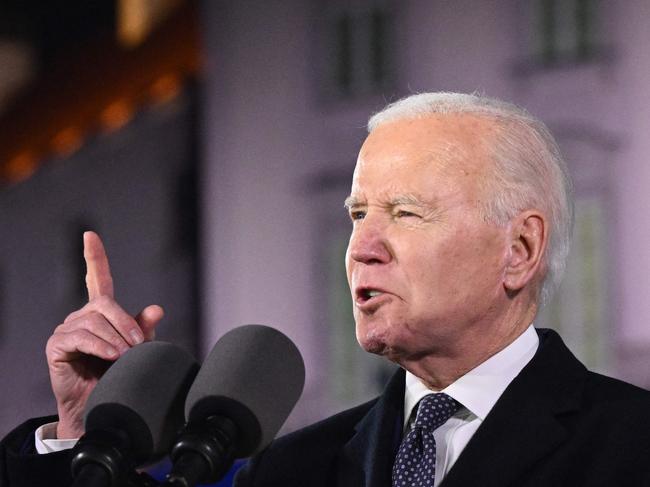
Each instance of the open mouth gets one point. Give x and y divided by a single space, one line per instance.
366 294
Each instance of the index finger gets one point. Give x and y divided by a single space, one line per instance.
98 273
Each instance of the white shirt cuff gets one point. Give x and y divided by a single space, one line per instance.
46 441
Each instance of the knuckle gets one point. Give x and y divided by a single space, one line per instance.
92 316
59 329
95 347
84 338
97 324
50 344
72 316
81 321
75 314
129 324
58 344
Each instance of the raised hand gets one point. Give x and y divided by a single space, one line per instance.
91 338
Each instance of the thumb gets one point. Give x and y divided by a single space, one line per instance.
148 319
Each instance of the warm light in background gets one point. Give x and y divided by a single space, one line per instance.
108 87
116 115
137 18
165 88
67 141
18 67
21 166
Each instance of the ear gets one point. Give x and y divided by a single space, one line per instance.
528 241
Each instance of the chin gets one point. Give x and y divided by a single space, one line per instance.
371 345
396 347
376 341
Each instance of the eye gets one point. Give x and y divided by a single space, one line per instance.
405 214
357 215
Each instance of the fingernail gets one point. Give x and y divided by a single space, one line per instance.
111 352
136 336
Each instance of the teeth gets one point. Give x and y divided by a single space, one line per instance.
373 293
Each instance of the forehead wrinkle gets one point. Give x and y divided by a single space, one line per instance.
447 156
457 153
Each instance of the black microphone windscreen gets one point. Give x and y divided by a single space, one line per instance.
254 375
142 394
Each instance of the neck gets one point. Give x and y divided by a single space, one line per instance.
437 370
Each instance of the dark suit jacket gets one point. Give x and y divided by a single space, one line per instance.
556 424
21 466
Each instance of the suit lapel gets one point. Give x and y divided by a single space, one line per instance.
523 426
366 460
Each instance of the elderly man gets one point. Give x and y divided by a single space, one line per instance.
461 214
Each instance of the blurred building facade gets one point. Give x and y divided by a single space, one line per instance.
286 90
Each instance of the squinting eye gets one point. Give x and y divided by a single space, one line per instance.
402 213
357 215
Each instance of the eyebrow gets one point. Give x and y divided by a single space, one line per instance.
406 199
352 201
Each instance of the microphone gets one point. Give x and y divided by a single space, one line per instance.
244 392
133 414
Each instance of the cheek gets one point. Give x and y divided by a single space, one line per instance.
457 269
436 266
348 265
482 267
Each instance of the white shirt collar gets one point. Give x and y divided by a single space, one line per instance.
480 388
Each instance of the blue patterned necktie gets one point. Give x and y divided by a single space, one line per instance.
415 463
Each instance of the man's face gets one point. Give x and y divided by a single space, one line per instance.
425 269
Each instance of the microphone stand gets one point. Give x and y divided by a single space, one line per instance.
96 475
204 452
102 458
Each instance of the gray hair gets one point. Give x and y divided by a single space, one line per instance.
529 169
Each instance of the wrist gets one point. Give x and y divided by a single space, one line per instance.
68 430
71 424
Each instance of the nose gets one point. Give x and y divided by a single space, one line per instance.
368 242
